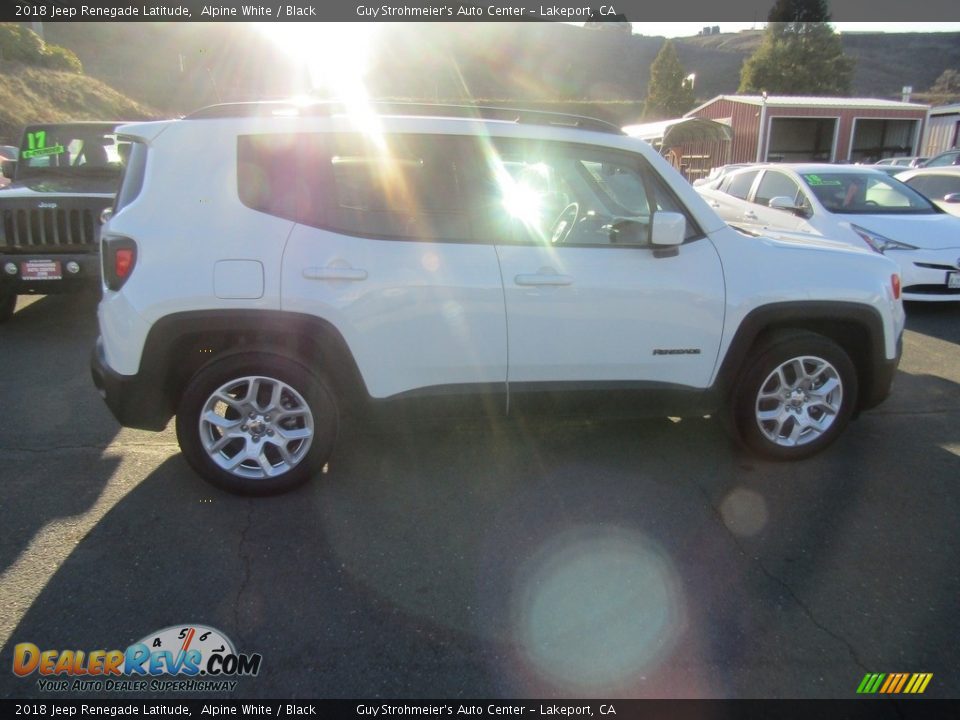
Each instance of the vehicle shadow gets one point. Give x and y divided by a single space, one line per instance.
938 320
55 425
549 558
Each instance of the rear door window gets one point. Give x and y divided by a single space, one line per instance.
739 184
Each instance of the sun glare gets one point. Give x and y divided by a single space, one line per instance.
336 55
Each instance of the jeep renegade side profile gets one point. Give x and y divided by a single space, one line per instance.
313 263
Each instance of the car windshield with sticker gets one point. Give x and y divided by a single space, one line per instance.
74 149
866 194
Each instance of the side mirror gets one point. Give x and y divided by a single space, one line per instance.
782 202
9 168
669 229
951 198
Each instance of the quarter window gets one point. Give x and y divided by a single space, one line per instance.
285 175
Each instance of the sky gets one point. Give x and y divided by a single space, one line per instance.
685 29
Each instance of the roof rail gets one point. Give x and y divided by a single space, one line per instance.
477 112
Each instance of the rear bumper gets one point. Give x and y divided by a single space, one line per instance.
135 401
86 278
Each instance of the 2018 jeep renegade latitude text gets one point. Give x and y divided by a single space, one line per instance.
313 263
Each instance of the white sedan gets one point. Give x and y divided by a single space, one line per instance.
939 184
854 204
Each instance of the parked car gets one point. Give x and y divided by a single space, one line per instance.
950 157
269 268
903 162
889 170
939 184
853 203
63 178
717 173
7 152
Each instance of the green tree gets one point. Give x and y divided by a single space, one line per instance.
800 54
948 83
670 94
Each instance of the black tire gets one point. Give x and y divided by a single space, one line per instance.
8 303
305 402
799 413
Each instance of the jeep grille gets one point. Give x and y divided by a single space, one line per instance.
47 227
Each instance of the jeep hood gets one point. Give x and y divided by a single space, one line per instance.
791 238
42 187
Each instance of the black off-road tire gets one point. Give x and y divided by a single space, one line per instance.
257 425
783 407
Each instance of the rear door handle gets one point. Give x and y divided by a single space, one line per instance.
750 215
540 279
334 273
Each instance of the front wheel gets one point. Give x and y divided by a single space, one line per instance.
256 424
795 397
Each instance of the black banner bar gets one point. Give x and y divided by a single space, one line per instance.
858 709
441 10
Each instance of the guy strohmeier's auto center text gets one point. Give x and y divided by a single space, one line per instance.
480 11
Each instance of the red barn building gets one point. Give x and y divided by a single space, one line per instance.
780 128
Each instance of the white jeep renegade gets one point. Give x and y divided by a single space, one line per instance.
271 268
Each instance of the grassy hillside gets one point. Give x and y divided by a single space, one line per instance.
31 94
885 62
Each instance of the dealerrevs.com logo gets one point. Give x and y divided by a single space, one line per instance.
180 658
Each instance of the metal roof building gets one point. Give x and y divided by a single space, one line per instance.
943 129
779 128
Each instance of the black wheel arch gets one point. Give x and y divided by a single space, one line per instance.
181 344
857 328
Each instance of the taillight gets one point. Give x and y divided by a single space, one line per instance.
119 260
895 286
122 262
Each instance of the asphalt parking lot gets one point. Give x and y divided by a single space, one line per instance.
550 559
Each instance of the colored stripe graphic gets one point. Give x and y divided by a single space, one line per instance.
892 680
894 683
903 679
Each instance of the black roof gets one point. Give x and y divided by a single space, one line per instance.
478 112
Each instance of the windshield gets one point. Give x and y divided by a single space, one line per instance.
852 193
66 150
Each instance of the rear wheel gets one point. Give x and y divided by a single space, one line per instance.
795 397
8 303
257 424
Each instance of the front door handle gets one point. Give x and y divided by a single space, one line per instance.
334 273
541 279
750 215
